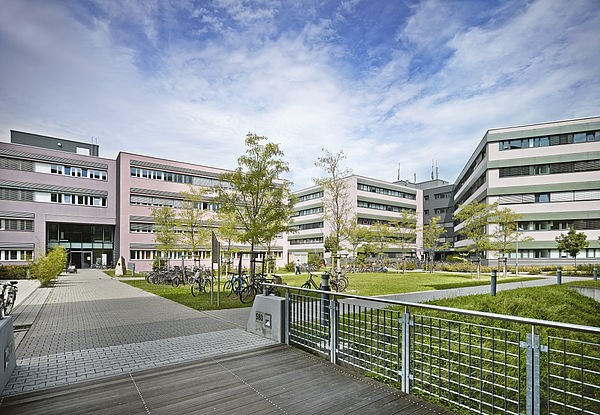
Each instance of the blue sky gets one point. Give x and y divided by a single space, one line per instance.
389 82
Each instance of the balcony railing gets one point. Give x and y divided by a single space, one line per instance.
482 362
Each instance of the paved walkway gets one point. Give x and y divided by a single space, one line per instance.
93 326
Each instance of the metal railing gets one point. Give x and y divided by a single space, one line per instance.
482 362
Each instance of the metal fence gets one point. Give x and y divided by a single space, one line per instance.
482 362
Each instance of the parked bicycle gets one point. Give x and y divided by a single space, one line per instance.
256 287
310 283
202 282
235 284
8 296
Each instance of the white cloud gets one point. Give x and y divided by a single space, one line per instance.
195 98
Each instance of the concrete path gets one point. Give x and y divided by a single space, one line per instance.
92 326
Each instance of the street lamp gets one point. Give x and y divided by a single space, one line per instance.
517 252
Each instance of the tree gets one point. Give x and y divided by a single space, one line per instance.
506 233
475 218
337 206
47 267
432 232
572 243
381 236
166 236
407 235
193 219
357 235
254 197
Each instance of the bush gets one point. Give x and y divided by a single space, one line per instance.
289 267
50 266
13 272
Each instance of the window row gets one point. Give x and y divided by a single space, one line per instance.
575 196
306 241
69 199
173 177
311 211
384 191
554 254
445 195
552 168
560 225
310 196
137 200
16 255
379 206
471 190
480 157
16 225
142 254
305 226
551 140
78 172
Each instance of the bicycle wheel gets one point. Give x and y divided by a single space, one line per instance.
247 294
196 288
9 301
228 288
305 285
206 285
334 286
175 282
343 284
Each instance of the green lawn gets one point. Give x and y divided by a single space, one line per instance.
183 295
376 283
367 284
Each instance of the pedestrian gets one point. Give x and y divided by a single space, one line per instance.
297 266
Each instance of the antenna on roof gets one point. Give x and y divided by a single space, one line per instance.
437 171
415 177
432 168
398 172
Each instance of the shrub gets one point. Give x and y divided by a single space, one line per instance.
48 267
289 267
13 272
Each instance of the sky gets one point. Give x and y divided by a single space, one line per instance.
396 85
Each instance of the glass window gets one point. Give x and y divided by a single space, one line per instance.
542 198
579 138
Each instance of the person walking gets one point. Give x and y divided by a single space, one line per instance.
297 266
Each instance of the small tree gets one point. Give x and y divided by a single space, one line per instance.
253 196
193 220
572 243
432 232
506 234
381 236
475 218
406 228
357 235
166 236
47 267
337 207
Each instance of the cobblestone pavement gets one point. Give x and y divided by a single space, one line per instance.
92 326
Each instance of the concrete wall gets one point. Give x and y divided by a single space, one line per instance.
8 355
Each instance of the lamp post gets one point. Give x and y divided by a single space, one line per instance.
517 252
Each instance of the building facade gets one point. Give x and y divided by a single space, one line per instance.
56 194
550 174
369 201
60 192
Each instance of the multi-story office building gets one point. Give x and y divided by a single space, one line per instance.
60 192
56 192
550 174
370 201
438 201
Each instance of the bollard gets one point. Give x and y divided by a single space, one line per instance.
493 282
596 272
325 298
559 276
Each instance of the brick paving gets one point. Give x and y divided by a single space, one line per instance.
89 326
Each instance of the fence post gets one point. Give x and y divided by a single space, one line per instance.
532 367
406 351
493 282
596 272
286 316
333 330
325 299
559 276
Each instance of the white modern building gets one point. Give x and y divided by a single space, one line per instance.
550 174
369 201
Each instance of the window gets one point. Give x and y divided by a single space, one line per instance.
553 140
542 198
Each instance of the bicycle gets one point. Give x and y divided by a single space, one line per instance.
235 284
310 283
8 296
256 286
338 282
202 283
